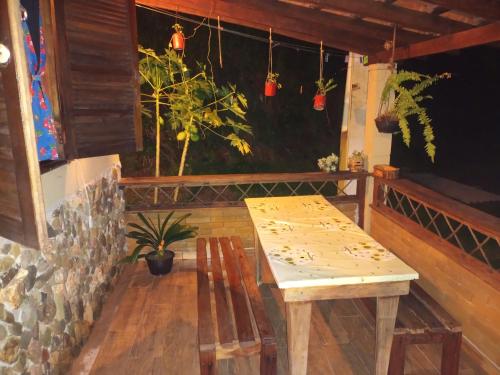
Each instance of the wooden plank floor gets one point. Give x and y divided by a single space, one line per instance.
148 326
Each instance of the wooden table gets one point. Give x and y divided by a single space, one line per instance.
315 252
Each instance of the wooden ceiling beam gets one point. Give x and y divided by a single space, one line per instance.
463 39
355 25
390 13
290 21
489 9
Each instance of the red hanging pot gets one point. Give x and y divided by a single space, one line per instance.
178 41
319 102
270 88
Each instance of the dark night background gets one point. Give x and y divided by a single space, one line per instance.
290 136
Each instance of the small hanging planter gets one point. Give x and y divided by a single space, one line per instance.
271 86
319 100
402 98
178 40
387 123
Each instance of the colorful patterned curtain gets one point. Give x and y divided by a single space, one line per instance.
46 135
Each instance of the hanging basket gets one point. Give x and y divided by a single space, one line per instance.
319 102
178 41
387 123
270 88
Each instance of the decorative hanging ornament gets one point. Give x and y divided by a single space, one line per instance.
178 40
319 101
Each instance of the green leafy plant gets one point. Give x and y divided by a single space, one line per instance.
329 163
407 89
177 27
191 102
273 77
324 87
157 236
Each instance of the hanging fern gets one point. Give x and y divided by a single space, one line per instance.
407 102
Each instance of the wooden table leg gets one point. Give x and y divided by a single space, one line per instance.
298 322
387 309
258 250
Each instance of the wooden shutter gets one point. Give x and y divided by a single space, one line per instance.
98 76
21 206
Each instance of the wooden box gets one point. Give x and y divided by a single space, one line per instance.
386 171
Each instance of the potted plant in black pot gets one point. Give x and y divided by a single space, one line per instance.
156 237
406 89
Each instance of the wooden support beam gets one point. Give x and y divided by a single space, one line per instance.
469 38
350 24
489 9
295 22
390 13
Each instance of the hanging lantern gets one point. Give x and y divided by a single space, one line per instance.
178 40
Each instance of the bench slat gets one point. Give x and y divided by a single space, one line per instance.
241 313
444 317
426 317
263 325
205 324
221 302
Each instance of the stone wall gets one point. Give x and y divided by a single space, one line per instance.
50 298
216 222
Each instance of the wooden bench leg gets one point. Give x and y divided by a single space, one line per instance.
450 359
398 354
207 362
268 358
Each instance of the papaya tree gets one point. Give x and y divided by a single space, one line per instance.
194 107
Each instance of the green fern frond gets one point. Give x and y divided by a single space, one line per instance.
407 88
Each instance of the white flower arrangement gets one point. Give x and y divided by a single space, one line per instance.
328 163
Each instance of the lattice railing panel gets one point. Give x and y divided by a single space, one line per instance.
470 239
231 194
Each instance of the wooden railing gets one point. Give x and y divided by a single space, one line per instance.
433 216
232 189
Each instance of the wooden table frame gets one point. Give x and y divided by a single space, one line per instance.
298 302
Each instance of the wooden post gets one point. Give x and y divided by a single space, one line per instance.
360 194
398 353
257 249
376 192
450 359
298 321
387 308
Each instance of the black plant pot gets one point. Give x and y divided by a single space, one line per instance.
160 266
387 124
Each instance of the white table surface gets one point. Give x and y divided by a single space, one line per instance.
308 242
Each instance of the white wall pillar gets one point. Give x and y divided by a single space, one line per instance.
353 121
364 87
377 146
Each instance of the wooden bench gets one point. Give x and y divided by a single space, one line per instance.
231 316
421 320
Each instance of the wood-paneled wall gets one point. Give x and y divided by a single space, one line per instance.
21 209
474 301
